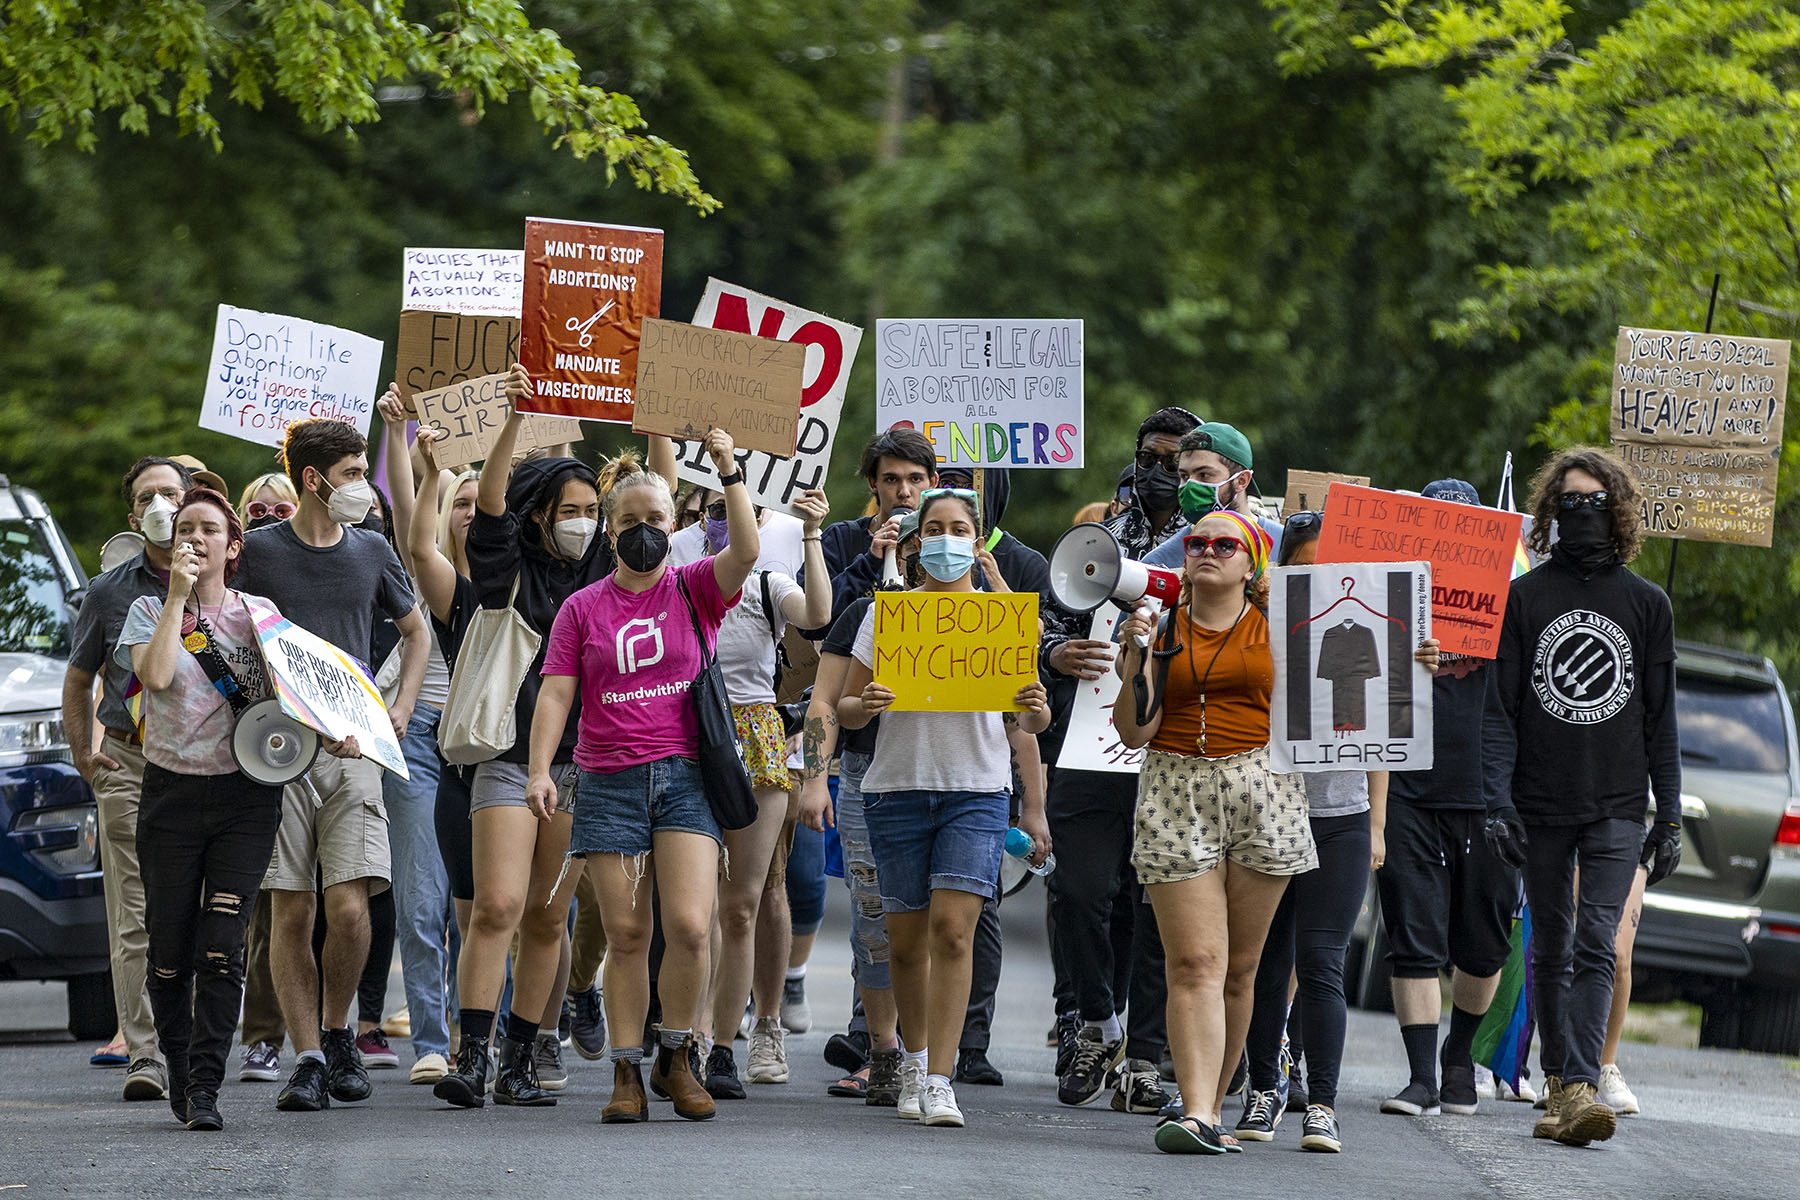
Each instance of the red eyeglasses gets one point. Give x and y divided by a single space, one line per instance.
1221 547
281 509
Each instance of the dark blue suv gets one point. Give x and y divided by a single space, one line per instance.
52 901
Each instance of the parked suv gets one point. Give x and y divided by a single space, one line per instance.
52 903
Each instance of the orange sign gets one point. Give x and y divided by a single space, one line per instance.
588 289
1470 550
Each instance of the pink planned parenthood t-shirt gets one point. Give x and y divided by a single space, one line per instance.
635 657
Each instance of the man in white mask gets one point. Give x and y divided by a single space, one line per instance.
115 768
331 577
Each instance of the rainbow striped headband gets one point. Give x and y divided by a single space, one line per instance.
1254 537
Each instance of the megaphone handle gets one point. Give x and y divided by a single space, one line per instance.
312 793
1153 607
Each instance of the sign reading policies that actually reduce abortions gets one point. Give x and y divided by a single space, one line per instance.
269 371
588 289
956 651
997 393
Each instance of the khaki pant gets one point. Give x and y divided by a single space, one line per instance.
342 837
263 1021
587 946
116 795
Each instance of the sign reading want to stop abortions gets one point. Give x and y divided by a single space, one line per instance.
956 651
588 289
269 371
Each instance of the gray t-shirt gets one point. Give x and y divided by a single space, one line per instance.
1337 793
333 592
97 628
934 751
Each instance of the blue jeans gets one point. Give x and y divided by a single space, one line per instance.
425 923
868 919
806 881
618 812
935 841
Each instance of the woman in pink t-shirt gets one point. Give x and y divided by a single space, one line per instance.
629 643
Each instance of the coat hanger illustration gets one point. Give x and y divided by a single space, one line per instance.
1349 589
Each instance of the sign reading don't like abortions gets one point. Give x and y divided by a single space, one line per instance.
997 393
269 371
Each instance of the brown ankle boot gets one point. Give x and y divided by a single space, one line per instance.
674 1075
1584 1118
628 1100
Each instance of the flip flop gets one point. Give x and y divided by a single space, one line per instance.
852 1087
1228 1140
1185 1135
113 1054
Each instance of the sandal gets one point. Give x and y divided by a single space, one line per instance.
1228 1140
852 1087
1187 1135
113 1054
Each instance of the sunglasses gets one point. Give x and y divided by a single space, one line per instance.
716 510
1570 501
1306 518
281 509
934 493
1221 547
1149 460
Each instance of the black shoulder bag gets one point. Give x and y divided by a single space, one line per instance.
722 767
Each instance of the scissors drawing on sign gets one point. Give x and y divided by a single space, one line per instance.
582 327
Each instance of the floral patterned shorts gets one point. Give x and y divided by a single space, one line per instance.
765 748
1193 813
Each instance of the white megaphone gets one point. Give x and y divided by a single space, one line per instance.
1088 568
891 578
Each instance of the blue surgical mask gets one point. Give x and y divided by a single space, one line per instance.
718 533
947 558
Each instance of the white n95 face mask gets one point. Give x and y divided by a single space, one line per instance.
348 505
573 536
158 522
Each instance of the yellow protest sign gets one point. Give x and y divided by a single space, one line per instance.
956 651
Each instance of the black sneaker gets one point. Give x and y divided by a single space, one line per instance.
1138 1088
1319 1132
1262 1113
1414 1100
848 1052
305 1090
1296 1097
1088 1068
1456 1091
1068 1027
972 1066
587 1023
345 1074
721 1076
884 1079
203 1113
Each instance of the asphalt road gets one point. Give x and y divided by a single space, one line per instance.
1716 1124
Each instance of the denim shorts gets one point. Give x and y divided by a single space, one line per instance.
927 841
617 812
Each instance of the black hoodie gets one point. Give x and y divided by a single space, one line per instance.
508 547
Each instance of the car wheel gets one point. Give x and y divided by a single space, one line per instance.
1721 1020
91 1012
1769 1021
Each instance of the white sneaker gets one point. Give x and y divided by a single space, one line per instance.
429 1069
768 1053
1614 1093
912 1089
1489 1084
1485 1082
938 1107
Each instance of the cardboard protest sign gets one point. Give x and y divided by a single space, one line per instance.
956 651
1348 695
775 480
478 283
438 349
268 371
1092 744
1697 418
987 393
1470 550
691 379
321 686
1306 489
470 415
588 289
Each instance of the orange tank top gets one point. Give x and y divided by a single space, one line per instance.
1237 688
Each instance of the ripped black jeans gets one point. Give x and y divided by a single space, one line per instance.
204 844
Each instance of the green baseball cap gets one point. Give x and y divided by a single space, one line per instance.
1224 440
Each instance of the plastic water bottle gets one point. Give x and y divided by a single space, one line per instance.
1018 844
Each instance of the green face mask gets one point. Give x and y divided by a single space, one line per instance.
1197 499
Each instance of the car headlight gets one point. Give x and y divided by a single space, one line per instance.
66 839
33 737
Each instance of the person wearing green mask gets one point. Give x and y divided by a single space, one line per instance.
1215 470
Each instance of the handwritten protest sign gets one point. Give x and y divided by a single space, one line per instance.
691 379
268 371
987 393
1092 744
1697 418
956 651
470 415
588 289
438 349
1470 550
1306 489
477 283
1348 694
323 687
775 480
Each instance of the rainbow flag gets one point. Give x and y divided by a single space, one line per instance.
1503 1040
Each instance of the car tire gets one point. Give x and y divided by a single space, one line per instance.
1769 1021
91 1012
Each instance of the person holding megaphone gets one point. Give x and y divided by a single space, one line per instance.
1217 833
206 830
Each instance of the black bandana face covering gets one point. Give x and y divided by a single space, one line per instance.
643 547
1584 540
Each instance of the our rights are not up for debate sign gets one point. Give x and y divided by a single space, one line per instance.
269 371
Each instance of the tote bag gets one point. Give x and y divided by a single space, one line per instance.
478 721
722 767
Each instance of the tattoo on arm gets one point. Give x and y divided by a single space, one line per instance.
1011 721
812 745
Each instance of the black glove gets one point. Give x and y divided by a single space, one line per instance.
1506 836
1662 851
